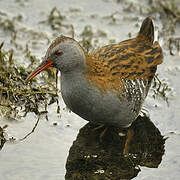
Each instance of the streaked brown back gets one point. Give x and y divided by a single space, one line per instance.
135 58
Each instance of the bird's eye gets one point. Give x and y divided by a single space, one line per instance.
58 52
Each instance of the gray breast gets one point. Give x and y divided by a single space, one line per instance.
91 104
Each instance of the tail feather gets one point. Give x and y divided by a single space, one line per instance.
147 30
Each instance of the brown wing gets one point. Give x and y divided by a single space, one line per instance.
131 59
135 58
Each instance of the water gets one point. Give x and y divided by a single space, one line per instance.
44 154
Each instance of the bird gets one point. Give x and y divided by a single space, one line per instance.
109 84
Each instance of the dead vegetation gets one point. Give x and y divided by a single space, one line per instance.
18 98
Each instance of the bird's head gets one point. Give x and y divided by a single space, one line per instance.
65 54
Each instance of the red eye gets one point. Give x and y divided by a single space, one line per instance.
58 53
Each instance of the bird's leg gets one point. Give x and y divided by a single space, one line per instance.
99 127
103 133
129 136
103 129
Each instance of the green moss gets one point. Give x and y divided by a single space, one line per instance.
2 138
16 96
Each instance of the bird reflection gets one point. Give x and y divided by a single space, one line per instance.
92 157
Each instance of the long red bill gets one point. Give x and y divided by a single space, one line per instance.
43 66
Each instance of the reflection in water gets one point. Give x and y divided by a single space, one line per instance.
94 157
